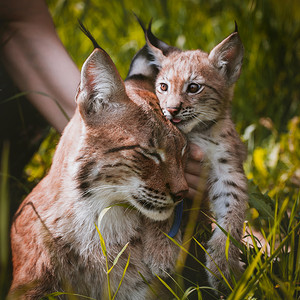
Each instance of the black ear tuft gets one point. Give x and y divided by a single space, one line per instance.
140 22
164 47
88 34
235 27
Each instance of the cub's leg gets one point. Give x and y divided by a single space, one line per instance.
228 197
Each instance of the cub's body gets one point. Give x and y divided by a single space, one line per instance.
195 91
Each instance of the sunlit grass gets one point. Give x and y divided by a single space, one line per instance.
272 266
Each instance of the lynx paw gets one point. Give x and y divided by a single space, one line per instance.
160 253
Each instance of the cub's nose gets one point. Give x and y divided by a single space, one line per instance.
173 110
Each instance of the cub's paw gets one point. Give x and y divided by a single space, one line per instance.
216 260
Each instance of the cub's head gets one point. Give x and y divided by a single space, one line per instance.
129 152
194 87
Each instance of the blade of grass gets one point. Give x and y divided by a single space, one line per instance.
103 247
56 294
4 213
188 253
168 287
102 214
227 247
123 275
118 256
148 284
190 290
175 282
222 275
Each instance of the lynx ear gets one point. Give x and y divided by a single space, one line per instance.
101 85
228 57
157 48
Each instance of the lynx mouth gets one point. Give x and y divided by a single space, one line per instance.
152 210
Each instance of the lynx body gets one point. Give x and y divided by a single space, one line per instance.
117 149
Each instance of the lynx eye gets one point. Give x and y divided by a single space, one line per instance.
163 87
194 88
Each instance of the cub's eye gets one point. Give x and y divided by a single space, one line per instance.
193 88
163 87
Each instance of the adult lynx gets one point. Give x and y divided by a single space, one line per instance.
195 91
118 148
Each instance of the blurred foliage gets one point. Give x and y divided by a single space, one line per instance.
266 103
270 31
40 163
275 164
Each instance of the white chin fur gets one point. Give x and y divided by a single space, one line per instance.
155 214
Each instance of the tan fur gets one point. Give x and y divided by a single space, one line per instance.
195 90
117 149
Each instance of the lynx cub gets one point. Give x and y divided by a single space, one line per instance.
118 148
195 91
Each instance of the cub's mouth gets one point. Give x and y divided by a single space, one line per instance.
180 122
176 120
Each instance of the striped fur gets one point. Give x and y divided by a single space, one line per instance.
195 90
117 149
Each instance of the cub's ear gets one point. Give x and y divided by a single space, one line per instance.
157 48
101 86
228 57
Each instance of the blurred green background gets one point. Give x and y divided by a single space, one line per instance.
266 105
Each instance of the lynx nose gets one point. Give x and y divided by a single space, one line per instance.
173 110
179 195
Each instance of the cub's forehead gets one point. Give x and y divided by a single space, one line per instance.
183 64
194 57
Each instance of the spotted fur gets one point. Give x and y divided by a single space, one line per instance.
195 90
117 149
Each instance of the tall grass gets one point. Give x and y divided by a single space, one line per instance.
271 258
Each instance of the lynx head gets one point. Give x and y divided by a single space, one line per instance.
130 153
194 87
